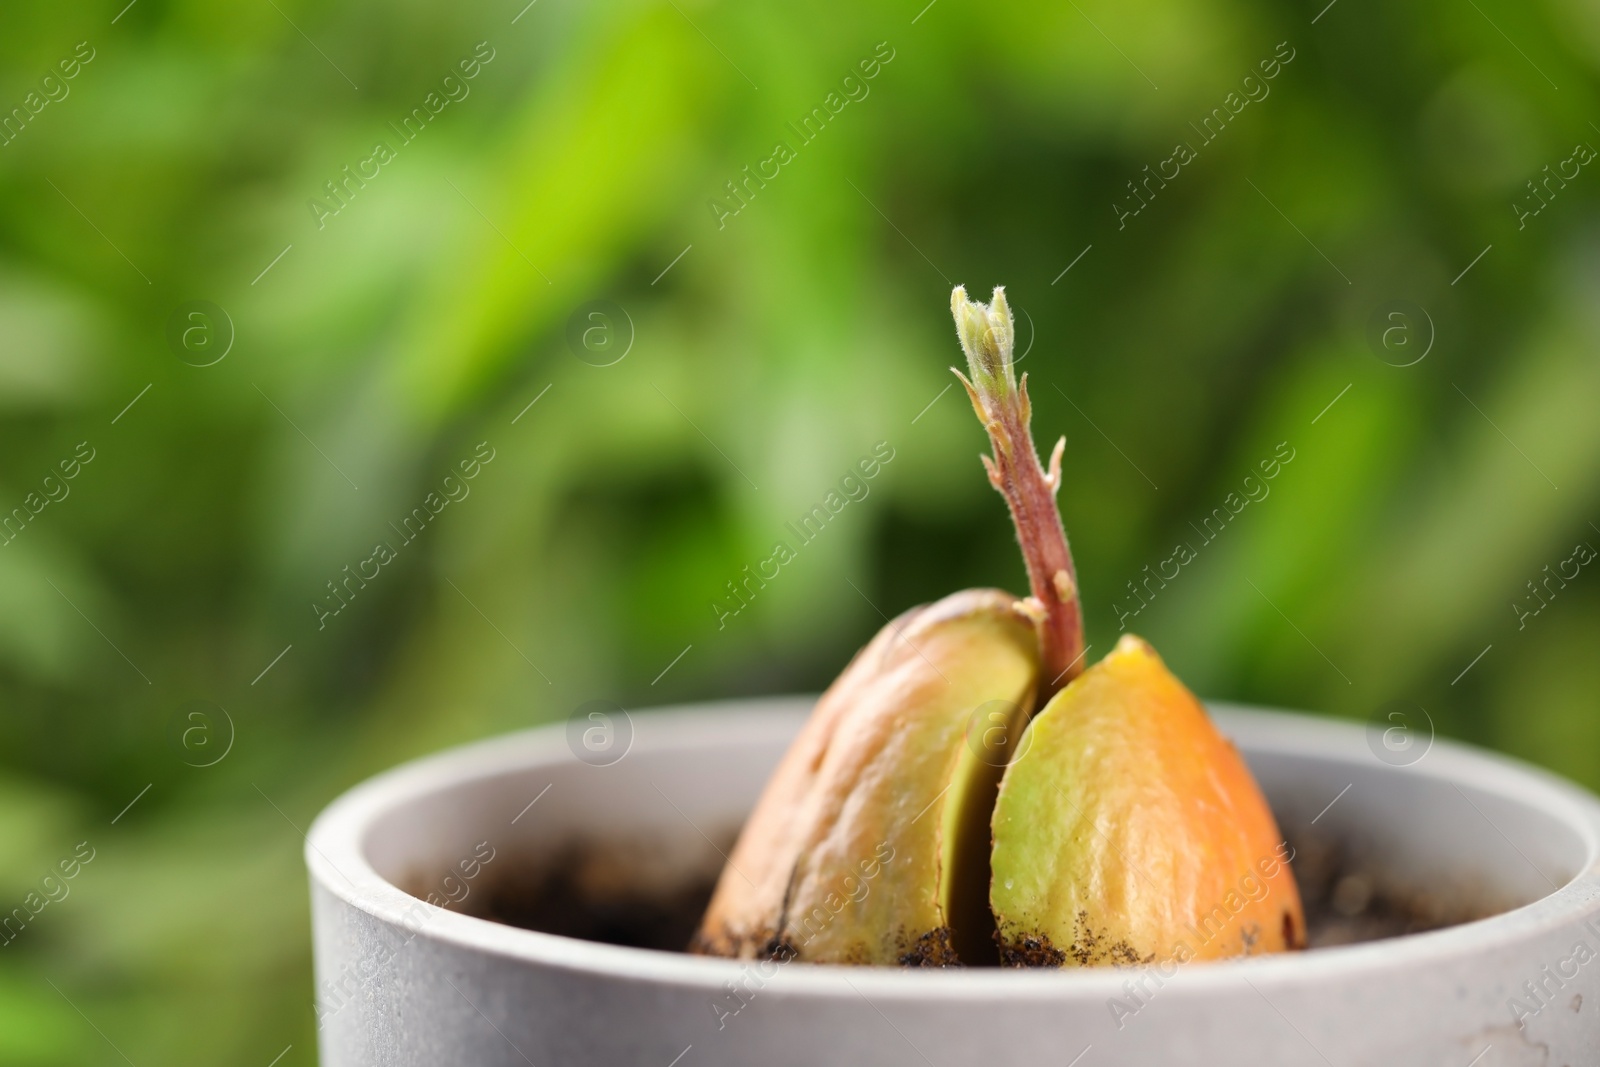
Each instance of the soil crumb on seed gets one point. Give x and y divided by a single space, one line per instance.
1030 950
932 949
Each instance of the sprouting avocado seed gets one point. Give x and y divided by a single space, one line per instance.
1125 828
871 842
1130 831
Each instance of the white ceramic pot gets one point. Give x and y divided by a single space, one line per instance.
403 982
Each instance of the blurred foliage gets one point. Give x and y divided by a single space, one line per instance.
428 312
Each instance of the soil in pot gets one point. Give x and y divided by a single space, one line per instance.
632 893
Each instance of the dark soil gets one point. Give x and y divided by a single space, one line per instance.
932 949
601 892
593 894
1034 951
1348 898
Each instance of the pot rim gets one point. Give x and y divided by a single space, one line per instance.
336 859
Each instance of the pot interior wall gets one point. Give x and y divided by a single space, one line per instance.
1382 851
628 853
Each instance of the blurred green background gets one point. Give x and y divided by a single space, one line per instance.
586 155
